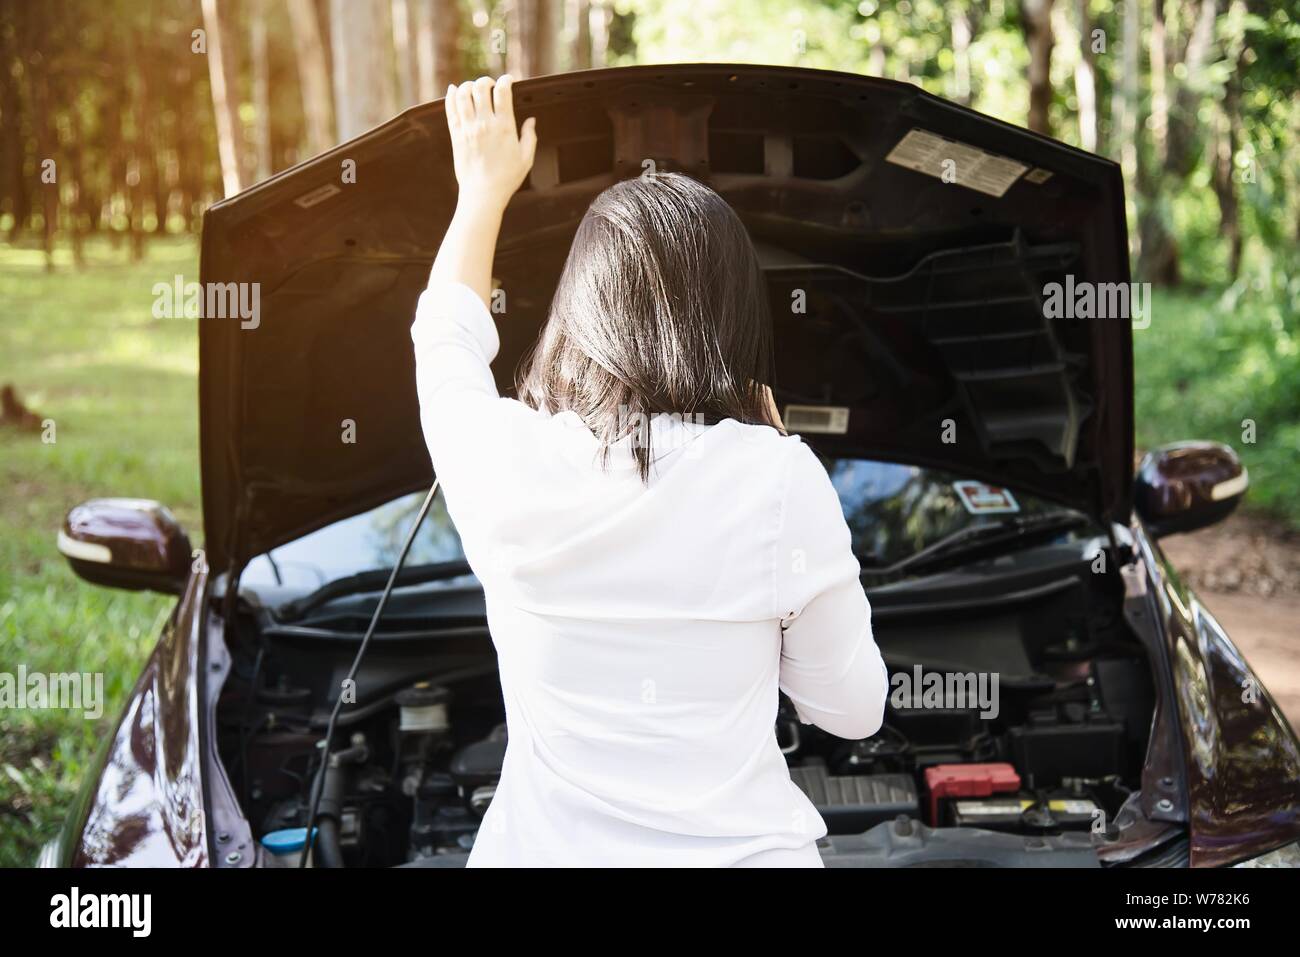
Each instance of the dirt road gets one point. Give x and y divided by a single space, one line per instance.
1248 575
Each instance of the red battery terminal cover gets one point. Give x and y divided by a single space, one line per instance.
967 780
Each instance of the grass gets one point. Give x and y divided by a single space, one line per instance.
83 349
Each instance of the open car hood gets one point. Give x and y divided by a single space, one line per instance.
915 303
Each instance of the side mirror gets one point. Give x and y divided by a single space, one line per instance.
126 543
1188 485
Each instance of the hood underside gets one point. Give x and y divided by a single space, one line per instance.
909 245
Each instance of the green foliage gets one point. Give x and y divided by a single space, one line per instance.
115 87
1209 366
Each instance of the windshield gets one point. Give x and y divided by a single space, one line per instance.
361 543
893 511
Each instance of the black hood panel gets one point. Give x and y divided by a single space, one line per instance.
920 300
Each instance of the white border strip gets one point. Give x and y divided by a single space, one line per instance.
84 551
1230 487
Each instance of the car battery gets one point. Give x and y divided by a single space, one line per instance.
853 803
948 781
1021 813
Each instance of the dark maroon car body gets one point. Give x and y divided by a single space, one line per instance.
798 153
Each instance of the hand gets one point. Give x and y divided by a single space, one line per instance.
491 159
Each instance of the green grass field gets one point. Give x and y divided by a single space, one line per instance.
83 349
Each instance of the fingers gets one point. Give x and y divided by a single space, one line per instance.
503 98
465 103
449 107
528 141
483 96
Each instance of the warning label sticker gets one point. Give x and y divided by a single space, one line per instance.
980 499
955 162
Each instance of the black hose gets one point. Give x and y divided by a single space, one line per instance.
328 851
319 784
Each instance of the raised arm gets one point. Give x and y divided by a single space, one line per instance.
454 335
491 160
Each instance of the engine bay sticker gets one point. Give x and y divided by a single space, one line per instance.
992 807
822 419
981 499
1017 805
955 162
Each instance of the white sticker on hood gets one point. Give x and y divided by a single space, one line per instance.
981 499
955 162
823 419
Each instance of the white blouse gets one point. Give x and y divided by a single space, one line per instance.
642 631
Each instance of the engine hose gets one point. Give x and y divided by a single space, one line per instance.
329 848
329 852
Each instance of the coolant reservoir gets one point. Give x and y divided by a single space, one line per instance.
284 847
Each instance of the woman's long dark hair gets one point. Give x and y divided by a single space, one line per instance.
661 309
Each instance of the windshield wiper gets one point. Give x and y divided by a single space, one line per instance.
981 536
372 580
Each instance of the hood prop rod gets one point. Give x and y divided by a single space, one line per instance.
319 780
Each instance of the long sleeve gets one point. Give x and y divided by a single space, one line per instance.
830 665
455 341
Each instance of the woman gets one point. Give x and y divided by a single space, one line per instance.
657 556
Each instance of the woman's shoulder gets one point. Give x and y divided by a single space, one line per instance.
768 443
765 456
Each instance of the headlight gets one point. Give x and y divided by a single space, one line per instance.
1286 856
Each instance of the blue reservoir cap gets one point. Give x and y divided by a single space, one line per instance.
288 841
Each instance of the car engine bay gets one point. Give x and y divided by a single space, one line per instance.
1044 767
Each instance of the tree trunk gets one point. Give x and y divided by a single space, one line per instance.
313 75
404 52
1226 143
446 51
363 71
580 51
77 206
600 19
426 82
1036 17
47 148
223 75
261 91
189 162
1085 80
11 115
531 36
1159 56
1127 101
1180 155
151 158
135 111
961 37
